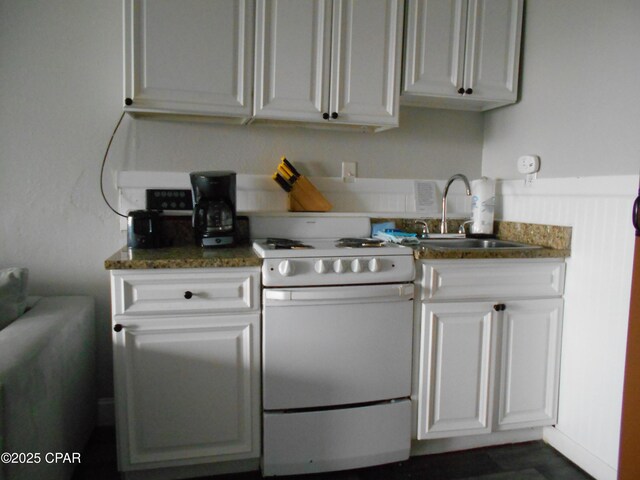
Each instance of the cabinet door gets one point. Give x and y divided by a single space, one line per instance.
493 49
462 54
530 363
434 47
365 64
455 369
192 56
186 390
292 55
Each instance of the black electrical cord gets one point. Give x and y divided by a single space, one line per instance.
104 160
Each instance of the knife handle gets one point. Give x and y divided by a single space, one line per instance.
286 186
286 174
289 166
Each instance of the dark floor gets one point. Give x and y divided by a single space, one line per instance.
523 461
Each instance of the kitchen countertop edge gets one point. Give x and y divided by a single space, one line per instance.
182 257
425 253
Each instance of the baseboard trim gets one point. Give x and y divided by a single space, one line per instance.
106 412
454 444
579 455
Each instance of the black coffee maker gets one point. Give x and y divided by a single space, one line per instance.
214 208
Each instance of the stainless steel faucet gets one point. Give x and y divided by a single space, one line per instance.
457 176
425 228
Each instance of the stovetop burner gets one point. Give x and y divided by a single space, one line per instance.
359 242
286 244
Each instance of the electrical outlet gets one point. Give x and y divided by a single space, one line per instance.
349 171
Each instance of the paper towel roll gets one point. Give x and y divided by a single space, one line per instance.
483 200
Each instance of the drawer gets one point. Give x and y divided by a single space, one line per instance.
491 279
193 290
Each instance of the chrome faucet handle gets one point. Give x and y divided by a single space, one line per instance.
425 227
461 229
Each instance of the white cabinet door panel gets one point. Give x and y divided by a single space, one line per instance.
455 365
530 363
493 43
187 388
365 62
434 55
192 56
462 54
291 74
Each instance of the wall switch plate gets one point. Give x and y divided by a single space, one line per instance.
349 171
168 199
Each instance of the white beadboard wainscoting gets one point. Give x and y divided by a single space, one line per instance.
597 294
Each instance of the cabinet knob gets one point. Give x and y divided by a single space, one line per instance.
499 307
461 90
128 101
188 294
334 115
325 115
117 327
469 91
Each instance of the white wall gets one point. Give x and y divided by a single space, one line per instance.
580 111
428 144
60 96
580 101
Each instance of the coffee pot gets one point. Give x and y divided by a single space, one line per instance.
214 208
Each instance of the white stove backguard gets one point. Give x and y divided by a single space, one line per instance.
305 227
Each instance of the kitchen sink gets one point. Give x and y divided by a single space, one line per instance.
474 244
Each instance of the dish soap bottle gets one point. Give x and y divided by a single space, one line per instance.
483 200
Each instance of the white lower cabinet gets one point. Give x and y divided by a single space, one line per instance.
529 368
187 384
456 360
488 360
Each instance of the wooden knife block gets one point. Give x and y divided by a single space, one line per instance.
305 197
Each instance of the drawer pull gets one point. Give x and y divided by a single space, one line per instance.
499 307
188 294
117 327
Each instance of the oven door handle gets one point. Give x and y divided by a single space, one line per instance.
401 292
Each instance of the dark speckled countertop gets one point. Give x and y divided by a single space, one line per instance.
185 256
555 240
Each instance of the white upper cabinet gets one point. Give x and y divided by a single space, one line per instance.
292 59
462 54
328 62
190 57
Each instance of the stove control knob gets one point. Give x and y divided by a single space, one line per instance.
356 265
374 265
286 268
321 266
339 266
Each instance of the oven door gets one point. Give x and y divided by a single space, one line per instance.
328 346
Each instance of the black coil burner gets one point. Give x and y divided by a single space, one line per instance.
359 242
286 244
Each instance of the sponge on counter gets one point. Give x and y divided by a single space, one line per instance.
381 227
397 236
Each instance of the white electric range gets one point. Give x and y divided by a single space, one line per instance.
336 344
